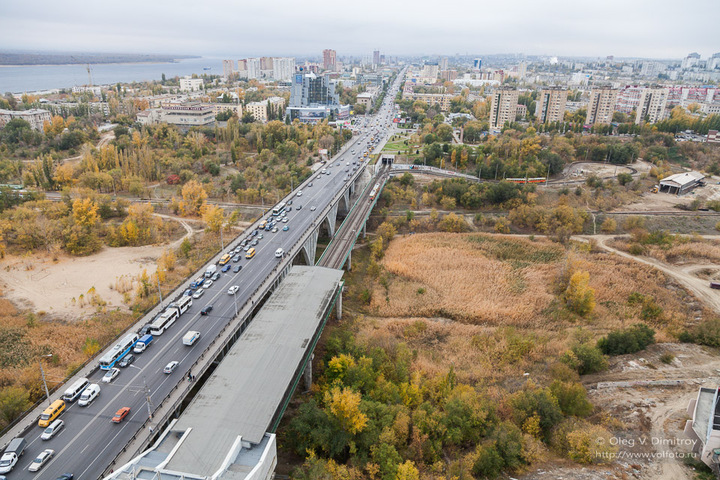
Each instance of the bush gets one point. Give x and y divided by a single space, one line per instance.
667 358
705 333
585 358
636 249
572 398
584 442
629 340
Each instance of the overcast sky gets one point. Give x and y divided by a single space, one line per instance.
239 28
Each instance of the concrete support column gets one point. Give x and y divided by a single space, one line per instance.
307 374
348 263
364 229
339 306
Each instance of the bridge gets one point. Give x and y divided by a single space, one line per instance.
90 445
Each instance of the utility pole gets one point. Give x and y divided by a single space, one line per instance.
42 374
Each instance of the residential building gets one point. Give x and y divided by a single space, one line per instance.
242 68
628 98
443 63
97 91
520 111
188 115
651 108
477 63
713 62
690 61
503 107
442 100
254 69
189 84
376 57
448 75
367 99
713 136
228 68
550 105
329 59
235 108
429 73
35 117
601 106
283 68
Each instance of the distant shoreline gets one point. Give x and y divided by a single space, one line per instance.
64 59
83 64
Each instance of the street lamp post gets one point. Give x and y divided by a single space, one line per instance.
146 390
42 374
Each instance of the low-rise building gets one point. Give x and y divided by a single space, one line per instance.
235 108
188 115
36 117
189 84
681 182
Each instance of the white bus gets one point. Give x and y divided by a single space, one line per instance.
279 208
164 321
182 304
118 351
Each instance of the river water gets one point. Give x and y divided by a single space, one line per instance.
31 78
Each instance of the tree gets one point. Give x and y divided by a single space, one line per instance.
193 198
213 216
579 296
13 401
344 405
85 213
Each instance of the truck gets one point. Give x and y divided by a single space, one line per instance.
210 271
143 343
197 283
11 455
190 338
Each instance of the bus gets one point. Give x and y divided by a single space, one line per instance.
117 352
164 321
279 208
182 304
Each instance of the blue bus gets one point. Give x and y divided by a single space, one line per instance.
117 352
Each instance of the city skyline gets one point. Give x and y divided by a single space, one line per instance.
621 29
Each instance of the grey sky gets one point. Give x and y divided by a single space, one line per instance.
238 28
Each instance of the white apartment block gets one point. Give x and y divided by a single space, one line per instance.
236 108
189 84
550 106
188 115
35 117
259 110
652 105
601 106
503 107
283 68
254 70
228 68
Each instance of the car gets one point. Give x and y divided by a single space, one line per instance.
121 414
299 207
187 292
206 310
299 193
215 277
226 267
237 268
236 251
110 375
65 476
126 360
286 228
237 258
255 232
41 460
284 220
208 284
254 243
289 202
310 184
170 367
313 208
260 237
233 290
246 247
274 230
198 294
145 329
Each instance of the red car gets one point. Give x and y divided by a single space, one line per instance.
121 414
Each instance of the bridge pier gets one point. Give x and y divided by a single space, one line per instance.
310 247
348 263
331 219
364 229
307 374
339 306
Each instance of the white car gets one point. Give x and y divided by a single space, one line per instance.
198 294
170 367
274 230
313 208
207 284
41 460
299 193
284 220
233 290
110 375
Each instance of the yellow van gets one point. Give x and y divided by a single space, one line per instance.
51 413
225 259
250 253
262 224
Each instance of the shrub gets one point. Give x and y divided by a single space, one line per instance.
609 225
705 333
488 463
636 249
584 359
667 358
579 296
572 398
629 340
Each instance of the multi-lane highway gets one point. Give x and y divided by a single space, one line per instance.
90 440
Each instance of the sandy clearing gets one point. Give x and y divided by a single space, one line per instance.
42 285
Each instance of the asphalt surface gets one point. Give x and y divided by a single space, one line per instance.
89 441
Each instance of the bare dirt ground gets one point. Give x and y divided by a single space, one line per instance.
43 285
582 170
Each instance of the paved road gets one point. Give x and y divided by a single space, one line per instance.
90 440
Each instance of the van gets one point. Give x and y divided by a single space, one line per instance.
90 394
72 393
51 413
279 253
225 259
52 430
143 343
250 253
262 224
190 338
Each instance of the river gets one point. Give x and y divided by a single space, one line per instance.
31 78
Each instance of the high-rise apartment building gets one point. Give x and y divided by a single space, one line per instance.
254 70
550 105
477 63
443 63
690 61
242 68
651 108
601 106
228 68
430 72
329 59
503 107
283 68
376 57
